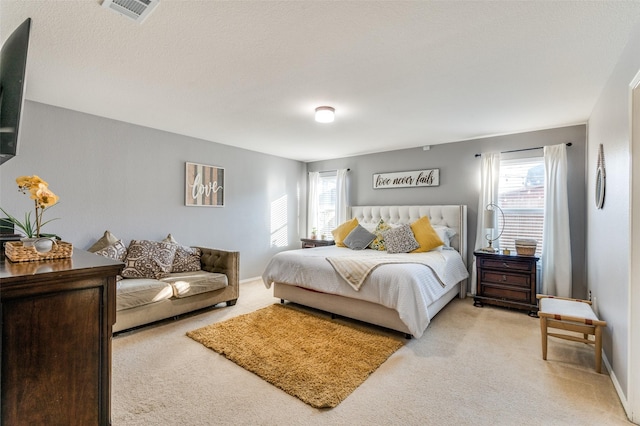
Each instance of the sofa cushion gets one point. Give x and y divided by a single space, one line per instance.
141 291
187 284
148 259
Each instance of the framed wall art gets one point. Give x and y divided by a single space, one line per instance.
204 185
415 178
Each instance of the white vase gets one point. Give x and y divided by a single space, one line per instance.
28 242
42 244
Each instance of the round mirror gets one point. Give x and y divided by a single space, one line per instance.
600 180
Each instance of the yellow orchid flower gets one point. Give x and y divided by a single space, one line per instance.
25 183
43 198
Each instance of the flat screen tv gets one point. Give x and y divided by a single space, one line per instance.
13 63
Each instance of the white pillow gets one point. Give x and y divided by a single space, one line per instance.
369 226
445 233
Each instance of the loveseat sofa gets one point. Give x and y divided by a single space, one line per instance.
164 279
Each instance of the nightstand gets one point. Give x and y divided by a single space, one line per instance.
506 280
311 243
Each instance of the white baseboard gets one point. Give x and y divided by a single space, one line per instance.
246 280
616 385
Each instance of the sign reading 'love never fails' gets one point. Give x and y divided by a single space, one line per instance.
414 178
204 185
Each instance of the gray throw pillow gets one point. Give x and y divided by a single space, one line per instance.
400 239
359 238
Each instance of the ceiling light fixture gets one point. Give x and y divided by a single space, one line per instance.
325 114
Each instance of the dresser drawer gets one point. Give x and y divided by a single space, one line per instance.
505 278
506 293
507 265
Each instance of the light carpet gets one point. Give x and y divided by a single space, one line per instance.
472 366
314 359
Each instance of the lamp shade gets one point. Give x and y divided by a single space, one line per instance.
489 219
325 114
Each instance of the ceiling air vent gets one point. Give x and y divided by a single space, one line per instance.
138 10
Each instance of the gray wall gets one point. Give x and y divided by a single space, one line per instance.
460 180
608 244
130 179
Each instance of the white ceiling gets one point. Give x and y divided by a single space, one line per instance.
400 74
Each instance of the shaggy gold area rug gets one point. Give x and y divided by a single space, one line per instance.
314 359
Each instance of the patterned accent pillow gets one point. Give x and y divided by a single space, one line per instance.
115 251
148 259
106 240
378 242
187 258
400 239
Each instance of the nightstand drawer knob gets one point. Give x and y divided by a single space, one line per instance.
505 264
504 278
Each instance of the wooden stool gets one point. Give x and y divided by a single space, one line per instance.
571 315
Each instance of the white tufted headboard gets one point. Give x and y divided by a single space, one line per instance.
453 216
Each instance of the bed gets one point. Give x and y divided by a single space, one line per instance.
403 295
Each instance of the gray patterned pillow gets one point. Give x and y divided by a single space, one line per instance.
148 259
115 251
400 239
187 258
359 238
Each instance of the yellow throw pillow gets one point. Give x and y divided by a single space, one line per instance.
341 232
426 236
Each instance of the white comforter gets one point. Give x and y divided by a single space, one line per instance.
408 288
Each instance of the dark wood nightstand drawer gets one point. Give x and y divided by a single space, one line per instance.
506 293
506 278
507 264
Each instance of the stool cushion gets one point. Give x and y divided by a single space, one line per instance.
567 307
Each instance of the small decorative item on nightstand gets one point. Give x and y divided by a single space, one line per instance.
506 280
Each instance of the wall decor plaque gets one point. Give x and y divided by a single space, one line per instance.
204 185
415 178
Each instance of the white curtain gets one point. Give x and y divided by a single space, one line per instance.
342 207
556 249
313 200
489 180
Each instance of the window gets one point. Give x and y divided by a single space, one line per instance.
521 198
327 204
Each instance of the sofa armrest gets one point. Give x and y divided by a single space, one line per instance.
223 262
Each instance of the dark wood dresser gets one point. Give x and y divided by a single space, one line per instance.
56 340
506 280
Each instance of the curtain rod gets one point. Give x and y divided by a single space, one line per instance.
334 170
523 149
